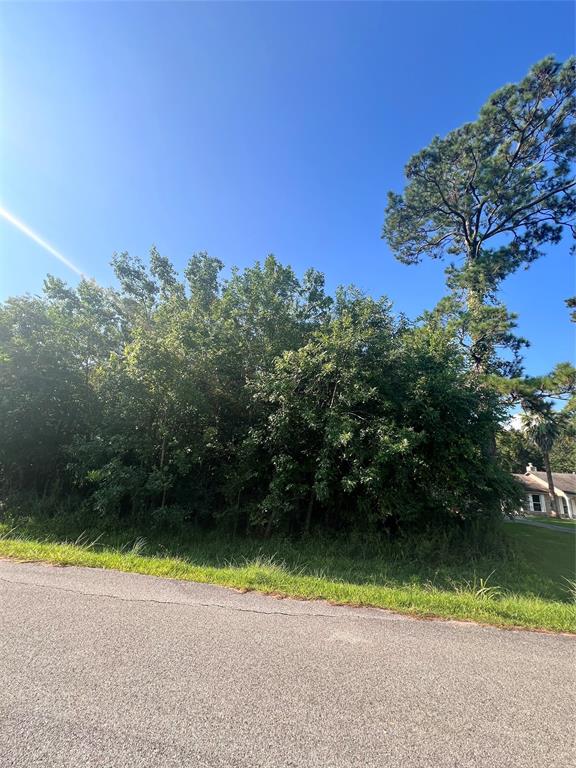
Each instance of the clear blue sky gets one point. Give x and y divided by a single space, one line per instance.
248 129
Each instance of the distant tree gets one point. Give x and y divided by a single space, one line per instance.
491 194
515 451
563 453
542 427
571 304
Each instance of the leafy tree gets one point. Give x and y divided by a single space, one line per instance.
139 290
492 193
202 273
373 423
563 452
48 352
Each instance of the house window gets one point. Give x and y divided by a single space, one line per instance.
565 511
536 502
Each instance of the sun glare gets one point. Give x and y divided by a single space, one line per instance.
37 239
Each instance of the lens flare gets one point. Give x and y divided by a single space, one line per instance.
37 239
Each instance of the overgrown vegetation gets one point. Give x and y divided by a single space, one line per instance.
257 405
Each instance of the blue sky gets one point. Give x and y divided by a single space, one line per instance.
246 129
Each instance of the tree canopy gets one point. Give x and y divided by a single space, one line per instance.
255 403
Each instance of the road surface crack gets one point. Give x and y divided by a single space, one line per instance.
195 604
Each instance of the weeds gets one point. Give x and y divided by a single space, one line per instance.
570 588
83 540
139 546
9 533
479 587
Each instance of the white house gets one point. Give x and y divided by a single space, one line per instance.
536 498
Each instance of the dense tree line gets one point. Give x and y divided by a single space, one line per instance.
254 403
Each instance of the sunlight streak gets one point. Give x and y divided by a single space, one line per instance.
37 239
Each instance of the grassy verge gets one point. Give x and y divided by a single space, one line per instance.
554 521
530 590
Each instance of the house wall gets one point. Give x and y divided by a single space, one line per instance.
546 506
571 505
544 501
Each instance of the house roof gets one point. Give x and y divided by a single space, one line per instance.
528 483
563 481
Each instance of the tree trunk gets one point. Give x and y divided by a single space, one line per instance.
269 524
309 513
162 456
480 349
475 300
236 516
551 489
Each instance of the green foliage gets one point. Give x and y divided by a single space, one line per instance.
373 422
533 392
542 427
48 349
519 447
256 403
563 453
516 452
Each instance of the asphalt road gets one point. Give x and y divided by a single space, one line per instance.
99 668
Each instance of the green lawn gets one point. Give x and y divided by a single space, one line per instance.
553 521
550 556
527 588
